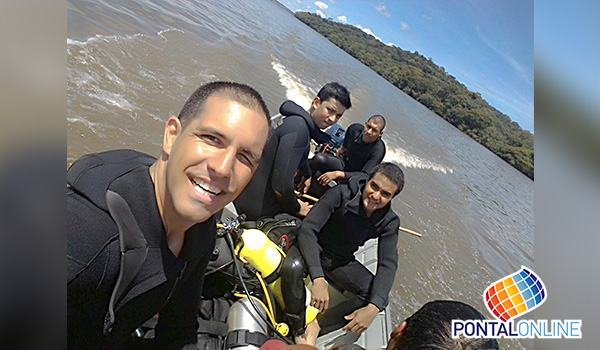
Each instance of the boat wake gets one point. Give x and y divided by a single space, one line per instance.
403 158
295 90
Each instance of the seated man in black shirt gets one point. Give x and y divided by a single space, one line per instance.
340 222
361 151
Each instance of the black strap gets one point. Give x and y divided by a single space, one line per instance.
212 327
244 337
134 249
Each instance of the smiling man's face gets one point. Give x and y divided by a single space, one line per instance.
378 192
211 159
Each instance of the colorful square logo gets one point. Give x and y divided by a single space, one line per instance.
515 294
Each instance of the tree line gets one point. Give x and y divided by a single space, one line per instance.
432 86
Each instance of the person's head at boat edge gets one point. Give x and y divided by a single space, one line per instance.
208 156
329 105
431 328
428 328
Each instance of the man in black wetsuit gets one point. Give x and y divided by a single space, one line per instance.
271 190
361 151
341 221
140 230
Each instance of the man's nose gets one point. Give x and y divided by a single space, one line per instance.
375 195
221 163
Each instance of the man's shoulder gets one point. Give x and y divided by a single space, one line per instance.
92 174
356 127
392 219
293 122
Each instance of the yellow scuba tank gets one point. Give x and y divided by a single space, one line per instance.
256 249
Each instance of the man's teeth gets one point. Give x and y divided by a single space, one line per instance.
206 187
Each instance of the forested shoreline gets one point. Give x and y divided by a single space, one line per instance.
432 86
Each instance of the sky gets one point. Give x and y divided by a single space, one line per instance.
485 44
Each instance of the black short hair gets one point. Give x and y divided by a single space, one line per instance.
379 119
431 328
392 172
240 93
336 91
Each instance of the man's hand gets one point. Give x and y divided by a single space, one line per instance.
304 207
341 152
361 319
303 187
330 176
319 294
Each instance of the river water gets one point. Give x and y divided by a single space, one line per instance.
132 65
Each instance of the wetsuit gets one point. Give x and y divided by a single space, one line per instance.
359 158
334 230
271 190
163 284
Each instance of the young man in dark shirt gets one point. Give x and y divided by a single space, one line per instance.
341 221
361 151
271 190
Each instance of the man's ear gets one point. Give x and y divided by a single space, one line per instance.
172 130
397 333
395 336
316 102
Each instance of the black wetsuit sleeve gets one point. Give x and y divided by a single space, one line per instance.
290 154
304 168
387 263
312 225
376 156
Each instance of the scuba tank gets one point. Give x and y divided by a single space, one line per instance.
256 249
246 329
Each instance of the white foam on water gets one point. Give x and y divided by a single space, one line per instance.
295 90
108 38
405 159
167 31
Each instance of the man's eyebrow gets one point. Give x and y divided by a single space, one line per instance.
214 131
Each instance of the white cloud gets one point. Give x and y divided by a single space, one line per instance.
391 44
427 17
523 71
404 26
321 5
368 31
342 19
382 10
320 14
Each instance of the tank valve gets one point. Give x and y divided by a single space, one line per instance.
283 329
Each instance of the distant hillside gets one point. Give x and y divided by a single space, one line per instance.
429 84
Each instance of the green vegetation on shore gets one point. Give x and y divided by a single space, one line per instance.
433 87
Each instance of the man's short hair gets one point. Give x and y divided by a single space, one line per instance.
379 119
392 172
240 93
336 91
431 328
